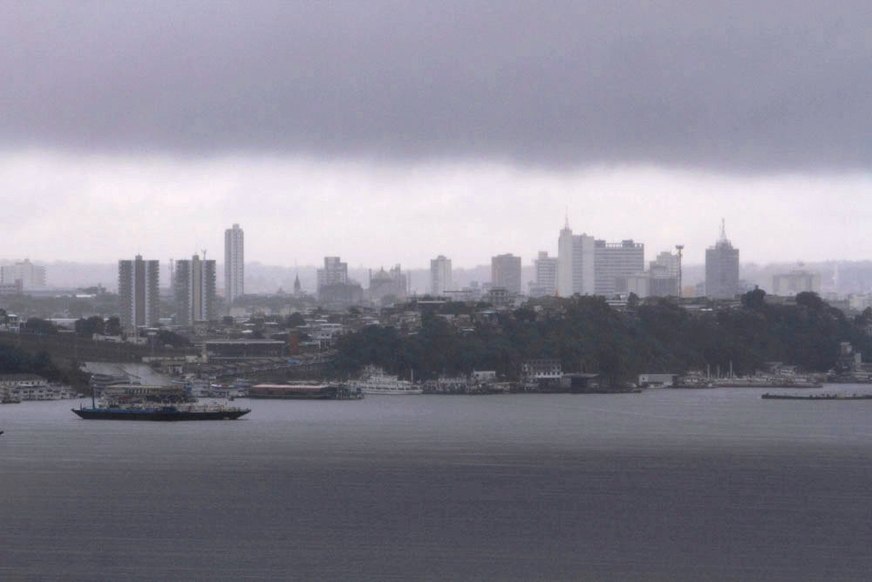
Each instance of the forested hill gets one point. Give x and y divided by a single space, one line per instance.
588 335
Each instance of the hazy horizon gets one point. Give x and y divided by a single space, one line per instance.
393 132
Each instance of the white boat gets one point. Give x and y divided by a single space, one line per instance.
375 381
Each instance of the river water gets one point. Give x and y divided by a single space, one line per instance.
666 485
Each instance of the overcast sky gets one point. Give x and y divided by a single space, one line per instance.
395 131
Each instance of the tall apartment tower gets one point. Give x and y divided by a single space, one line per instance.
195 290
616 261
139 292
234 264
334 271
440 275
506 273
722 268
575 263
545 268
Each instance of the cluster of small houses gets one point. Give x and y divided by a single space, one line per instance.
20 387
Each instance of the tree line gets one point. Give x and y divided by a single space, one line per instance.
588 335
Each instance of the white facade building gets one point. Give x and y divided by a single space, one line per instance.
789 284
614 262
139 293
575 263
440 276
31 276
195 290
545 268
334 271
234 264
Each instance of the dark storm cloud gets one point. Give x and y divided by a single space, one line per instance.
779 85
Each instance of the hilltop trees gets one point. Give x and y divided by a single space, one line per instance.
585 334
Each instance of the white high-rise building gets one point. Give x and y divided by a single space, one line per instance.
616 261
545 268
194 290
334 271
234 264
30 276
139 292
575 263
440 275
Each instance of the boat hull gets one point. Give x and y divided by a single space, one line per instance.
817 397
158 414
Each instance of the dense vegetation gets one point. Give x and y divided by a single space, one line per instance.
587 335
16 361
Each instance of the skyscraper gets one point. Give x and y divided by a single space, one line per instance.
139 293
334 271
440 275
506 273
722 268
195 290
234 264
614 261
545 269
575 263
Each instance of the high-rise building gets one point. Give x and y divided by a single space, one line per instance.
440 275
195 290
545 269
506 273
722 269
334 271
30 276
575 263
139 293
614 262
234 264
664 272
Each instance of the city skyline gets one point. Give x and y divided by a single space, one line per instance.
410 139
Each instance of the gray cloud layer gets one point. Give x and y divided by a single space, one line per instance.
761 86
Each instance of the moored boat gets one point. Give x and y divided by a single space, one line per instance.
769 396
302 391
375 381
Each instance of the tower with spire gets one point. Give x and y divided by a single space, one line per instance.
722 268
575 262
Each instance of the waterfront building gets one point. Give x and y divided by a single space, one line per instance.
31 276
794 282
195 290
139 293
440 276
575 263
545 269
722 269
234 264
614 262
506 273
